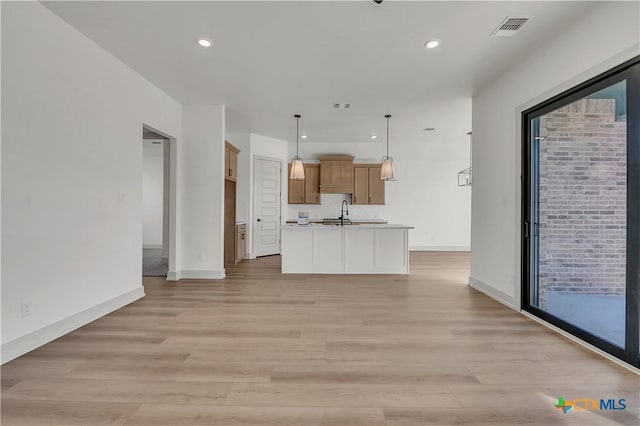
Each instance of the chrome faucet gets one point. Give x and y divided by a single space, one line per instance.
343 208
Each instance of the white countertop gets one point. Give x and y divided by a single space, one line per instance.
354 220
319 226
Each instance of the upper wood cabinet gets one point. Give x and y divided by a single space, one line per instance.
312 183
305 191
296 189
336 174
360 185
368 188
230 161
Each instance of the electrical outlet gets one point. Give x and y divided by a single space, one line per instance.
26 309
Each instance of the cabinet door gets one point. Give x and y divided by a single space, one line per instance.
240 246
312 184
376 186
296 190
226 162
233 165
336 174
360 185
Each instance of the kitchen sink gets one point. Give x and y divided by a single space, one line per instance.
335 221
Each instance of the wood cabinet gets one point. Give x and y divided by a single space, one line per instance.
230 161
296 189
312 184
368 188
305 191
241 242
336 174
230 182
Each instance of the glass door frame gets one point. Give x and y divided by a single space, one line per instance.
629 71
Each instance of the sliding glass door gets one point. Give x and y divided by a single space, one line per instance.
581 211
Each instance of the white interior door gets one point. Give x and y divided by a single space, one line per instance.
266 206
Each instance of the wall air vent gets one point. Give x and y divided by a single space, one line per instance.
341 106
509 27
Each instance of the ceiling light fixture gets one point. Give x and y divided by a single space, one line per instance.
297 167
432 44
374 136
205 42
387 171
303 135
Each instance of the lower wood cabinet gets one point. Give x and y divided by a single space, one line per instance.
368 188
241 242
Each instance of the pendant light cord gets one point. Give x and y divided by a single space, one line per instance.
297 135
387 117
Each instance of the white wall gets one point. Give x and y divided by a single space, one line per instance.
603 39
71 176
152 194
424 195
202 189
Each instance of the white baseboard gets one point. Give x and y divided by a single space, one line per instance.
152 246
192 274
493 293
439 248
35 339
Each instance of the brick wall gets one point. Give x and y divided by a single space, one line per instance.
582 200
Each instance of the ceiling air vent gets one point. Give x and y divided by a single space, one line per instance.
341 106
509 27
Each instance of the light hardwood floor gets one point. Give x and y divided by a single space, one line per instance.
263 348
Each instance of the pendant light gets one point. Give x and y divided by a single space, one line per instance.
297 167
386 168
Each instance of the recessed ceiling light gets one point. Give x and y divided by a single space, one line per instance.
432 44
303 135
205 42
374 137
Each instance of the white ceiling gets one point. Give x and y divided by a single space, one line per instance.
270 60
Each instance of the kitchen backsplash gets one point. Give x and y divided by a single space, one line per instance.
330 207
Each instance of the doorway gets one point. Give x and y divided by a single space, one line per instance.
267 178
155 203
581 211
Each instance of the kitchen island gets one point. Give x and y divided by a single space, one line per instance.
349 249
